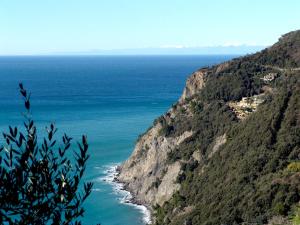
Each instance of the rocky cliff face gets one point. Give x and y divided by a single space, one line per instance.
194 84
147 174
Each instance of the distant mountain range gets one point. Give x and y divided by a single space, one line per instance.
174 50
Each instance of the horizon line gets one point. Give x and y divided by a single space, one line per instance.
203 50
76 55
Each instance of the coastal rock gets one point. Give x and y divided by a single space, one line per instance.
146 173
194 84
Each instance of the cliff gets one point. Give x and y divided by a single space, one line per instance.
220 155
146 173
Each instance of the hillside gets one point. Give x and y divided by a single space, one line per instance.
228 152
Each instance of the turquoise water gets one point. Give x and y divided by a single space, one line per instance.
110 99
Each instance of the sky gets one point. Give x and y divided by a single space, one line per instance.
33 27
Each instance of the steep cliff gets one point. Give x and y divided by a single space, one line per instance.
147 173
220 155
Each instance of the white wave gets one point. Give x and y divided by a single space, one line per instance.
124 197
96 189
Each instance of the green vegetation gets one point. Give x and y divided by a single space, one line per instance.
234 83
254 176
214 120
40 184
283 54
294 167
296 216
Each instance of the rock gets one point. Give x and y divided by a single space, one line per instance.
217 144
197 155
279 220
222 67
194 84
148 176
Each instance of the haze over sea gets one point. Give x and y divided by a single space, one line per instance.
111 99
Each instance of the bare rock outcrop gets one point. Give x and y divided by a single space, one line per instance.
146 174
217 144
194 84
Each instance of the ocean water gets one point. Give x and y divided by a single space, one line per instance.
111 99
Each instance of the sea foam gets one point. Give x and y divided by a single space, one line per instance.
109 174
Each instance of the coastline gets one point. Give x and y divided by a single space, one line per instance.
126 196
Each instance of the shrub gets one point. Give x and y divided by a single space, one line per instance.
39 183
294 167
279 209
295 219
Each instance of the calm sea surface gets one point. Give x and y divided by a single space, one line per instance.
111 99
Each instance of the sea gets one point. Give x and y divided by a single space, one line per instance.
111 99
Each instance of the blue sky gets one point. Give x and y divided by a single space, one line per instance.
58 26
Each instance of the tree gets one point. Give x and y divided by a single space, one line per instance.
39 179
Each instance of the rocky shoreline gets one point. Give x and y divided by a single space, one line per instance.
130 199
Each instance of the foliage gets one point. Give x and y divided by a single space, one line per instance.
254 176
296 216
196 106
284 54
166 129
214 119
294 167
39 184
